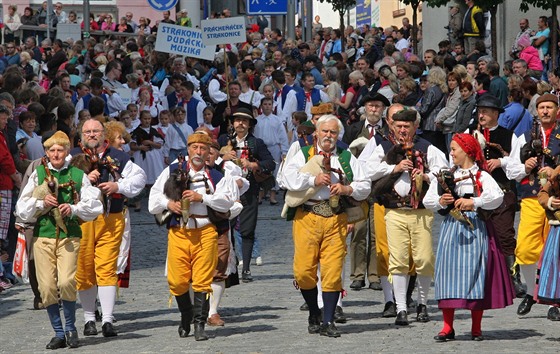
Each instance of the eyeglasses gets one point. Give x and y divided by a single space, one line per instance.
10 47
92 132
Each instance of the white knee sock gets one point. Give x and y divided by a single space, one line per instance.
107 296
218 289
424 283
87 298
529 273
319 288
400 283
387 288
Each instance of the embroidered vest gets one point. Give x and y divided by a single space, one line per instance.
46 225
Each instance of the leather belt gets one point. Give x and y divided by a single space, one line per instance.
195 216
322 208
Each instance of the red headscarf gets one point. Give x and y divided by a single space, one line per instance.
471 147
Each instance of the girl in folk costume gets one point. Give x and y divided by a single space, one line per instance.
146 143
164 119
146 102
208 114
470 271
118 137
547 290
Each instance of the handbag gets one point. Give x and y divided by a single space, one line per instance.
21 259
217 216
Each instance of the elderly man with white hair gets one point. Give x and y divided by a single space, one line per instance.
320 221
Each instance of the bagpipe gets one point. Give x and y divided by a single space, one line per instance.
178 182
446 184
50 186
106 166
536 148
398 152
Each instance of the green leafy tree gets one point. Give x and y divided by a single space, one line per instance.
547 5
341 6
414 4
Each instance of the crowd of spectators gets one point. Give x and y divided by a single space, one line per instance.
55 84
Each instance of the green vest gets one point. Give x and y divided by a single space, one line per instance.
46 225
344 160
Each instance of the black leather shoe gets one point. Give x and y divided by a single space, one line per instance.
314 324
375 286
199 332
390 310
402 319
304 307
525 305
357 284
72 339
90 329
339 316
108 330
443 337
553 314
329 330
184 332
56 343
422 313
478 338
246 276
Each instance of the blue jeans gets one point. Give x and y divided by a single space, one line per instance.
256 249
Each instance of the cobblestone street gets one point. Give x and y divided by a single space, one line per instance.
264 316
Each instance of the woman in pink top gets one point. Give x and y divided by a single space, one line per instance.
108 25
530 54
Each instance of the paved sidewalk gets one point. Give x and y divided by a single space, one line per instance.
264 316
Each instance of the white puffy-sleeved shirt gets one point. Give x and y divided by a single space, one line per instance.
376 168
221 199
490 198
88 208
294 180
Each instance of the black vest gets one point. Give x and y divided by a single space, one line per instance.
501 136
393 200
121 159
527 190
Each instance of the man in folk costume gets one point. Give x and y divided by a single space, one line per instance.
320 223
367 132
226 108
307 137
286 100
532 167
381 247
223 267
193 107
62 196
255 159
309 96
192 251
498 153
404 173
112 171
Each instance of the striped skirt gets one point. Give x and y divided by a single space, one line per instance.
461 259
548 272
